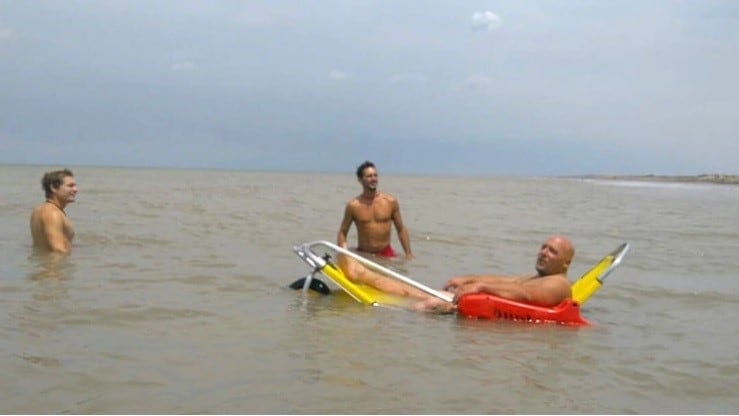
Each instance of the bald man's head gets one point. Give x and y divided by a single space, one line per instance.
555 256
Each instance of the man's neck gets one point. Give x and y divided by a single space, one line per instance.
56 203
368 194
549 274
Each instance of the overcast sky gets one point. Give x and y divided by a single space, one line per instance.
417 86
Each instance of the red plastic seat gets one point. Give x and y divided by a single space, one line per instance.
487 306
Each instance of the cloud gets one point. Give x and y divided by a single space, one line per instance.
183 66
486 20
410 78
337 75
254 18
478 82
255 15
5 33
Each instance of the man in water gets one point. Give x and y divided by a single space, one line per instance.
373 212
548 287
51 230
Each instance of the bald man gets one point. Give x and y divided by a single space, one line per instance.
548 287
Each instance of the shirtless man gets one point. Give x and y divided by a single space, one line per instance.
373 212
548 287
50 228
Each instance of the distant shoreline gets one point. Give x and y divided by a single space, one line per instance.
705 178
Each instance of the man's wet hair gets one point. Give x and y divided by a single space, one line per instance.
53 180
362 167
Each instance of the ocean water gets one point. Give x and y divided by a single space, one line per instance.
175 298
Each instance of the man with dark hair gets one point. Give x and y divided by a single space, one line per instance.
51 230
373 212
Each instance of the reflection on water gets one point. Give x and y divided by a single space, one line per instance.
45 265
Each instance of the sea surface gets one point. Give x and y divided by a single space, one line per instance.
175 298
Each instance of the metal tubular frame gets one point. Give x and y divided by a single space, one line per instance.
306 252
